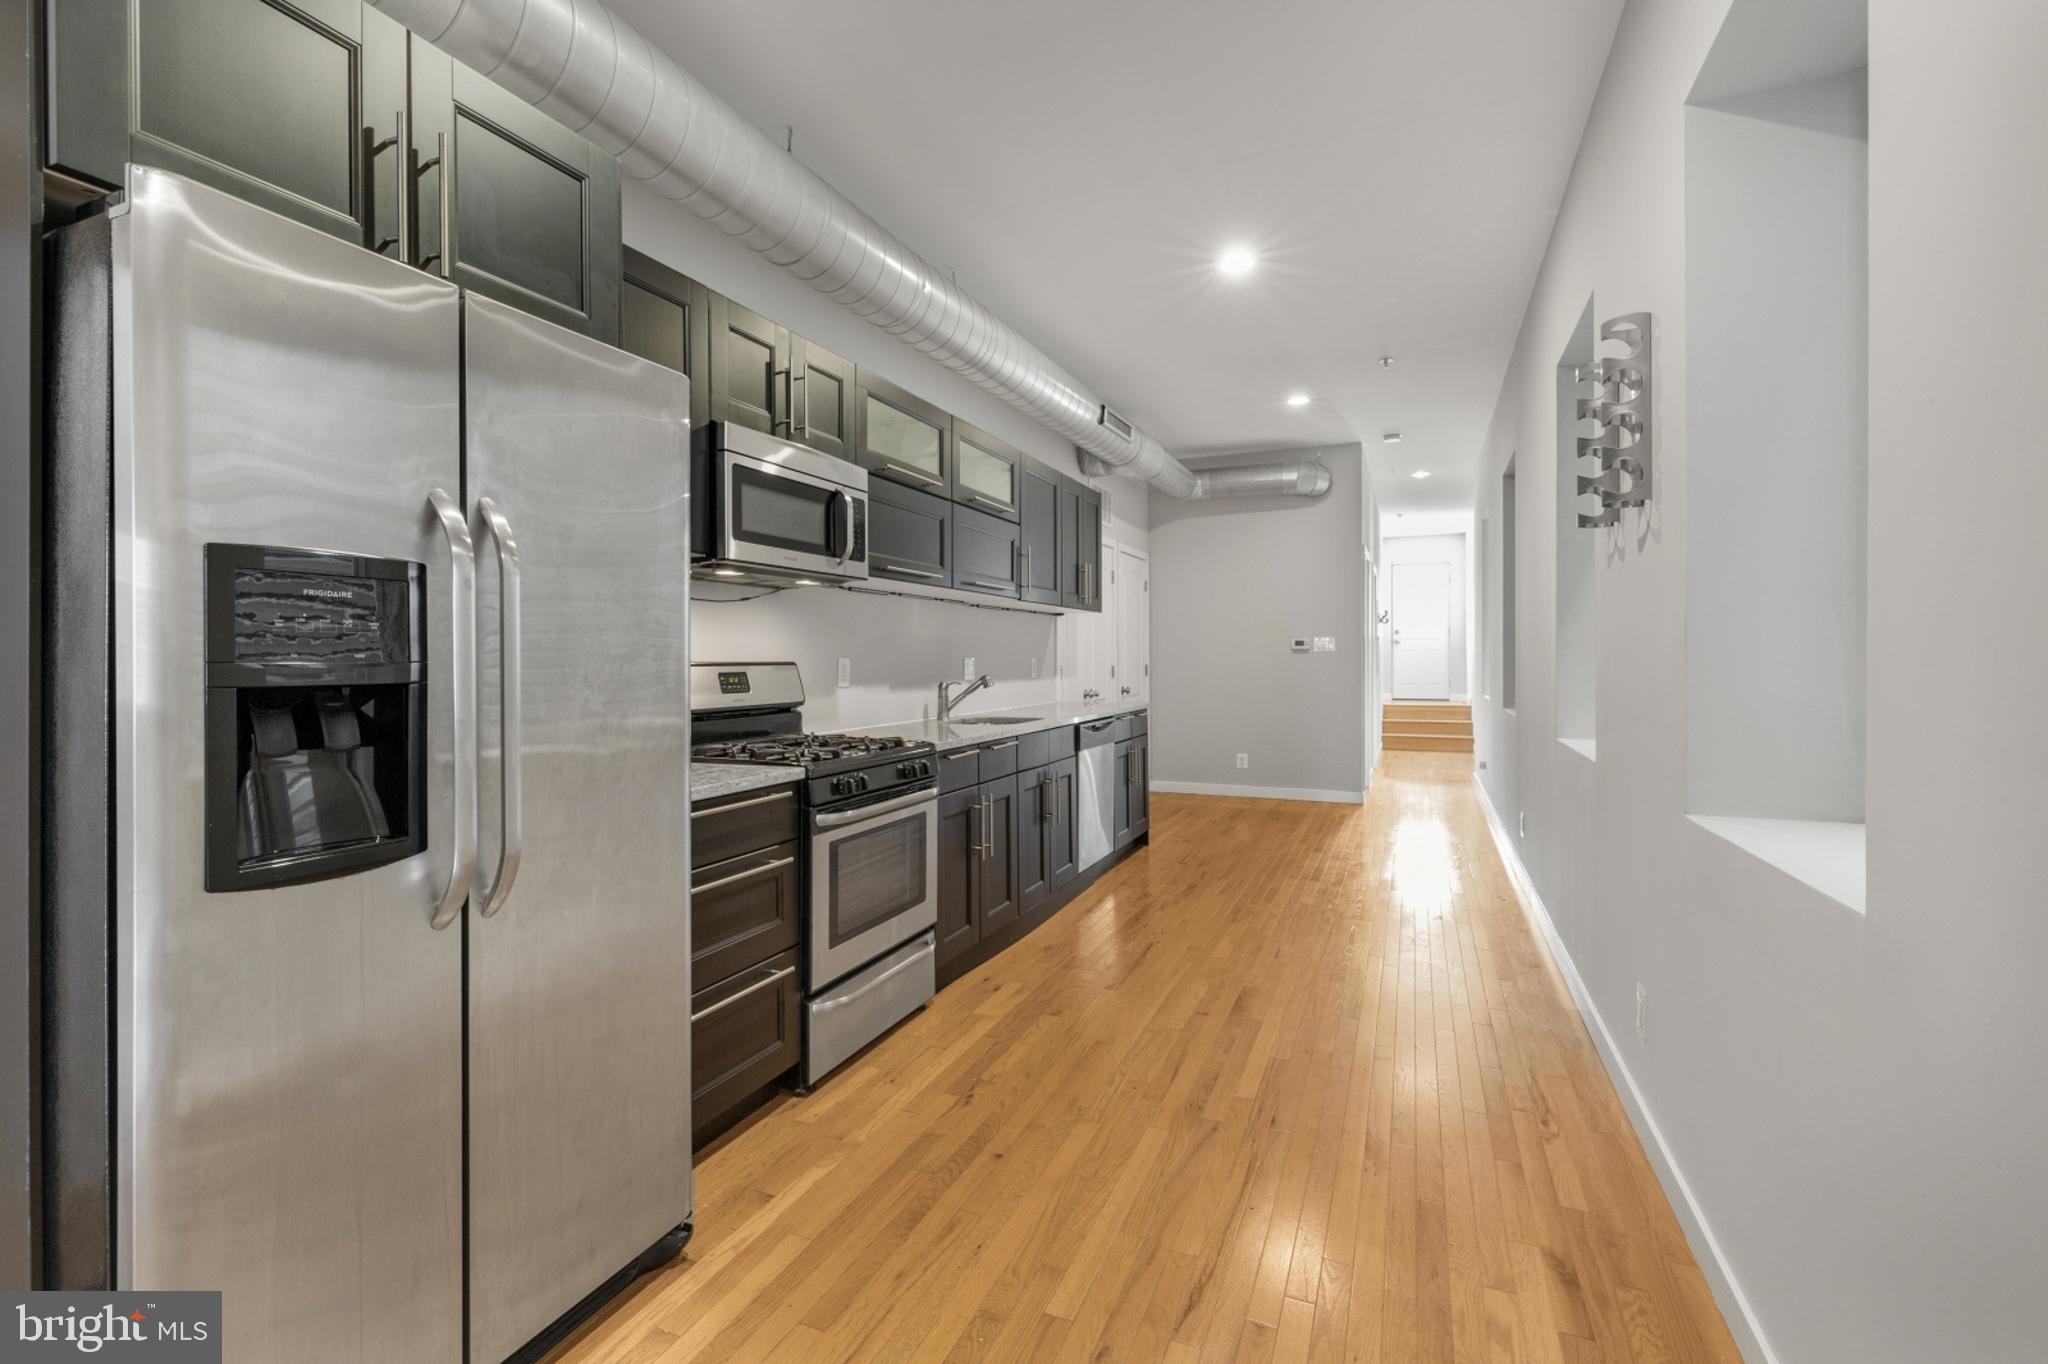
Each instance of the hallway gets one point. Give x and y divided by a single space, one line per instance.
1300 1082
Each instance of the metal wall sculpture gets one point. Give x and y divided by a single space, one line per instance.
1620 403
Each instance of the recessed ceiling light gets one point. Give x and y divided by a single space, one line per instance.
1386 362
1238 260
1420 473
1297 400
1391 438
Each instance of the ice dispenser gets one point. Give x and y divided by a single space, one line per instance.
316 730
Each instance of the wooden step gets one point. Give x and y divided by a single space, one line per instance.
1428 743
1426 710
1447 728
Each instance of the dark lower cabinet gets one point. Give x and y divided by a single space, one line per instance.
1141 787
999 865
1046 852
743 910
745 1032
1121 774
959 924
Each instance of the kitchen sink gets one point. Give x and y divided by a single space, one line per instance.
993 720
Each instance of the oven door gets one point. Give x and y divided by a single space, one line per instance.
779 518
874 880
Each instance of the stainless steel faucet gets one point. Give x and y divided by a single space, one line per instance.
947 702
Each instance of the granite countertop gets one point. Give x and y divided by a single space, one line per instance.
710 780
948 737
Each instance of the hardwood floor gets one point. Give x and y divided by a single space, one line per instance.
1299 1083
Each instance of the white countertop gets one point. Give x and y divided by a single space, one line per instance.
948 736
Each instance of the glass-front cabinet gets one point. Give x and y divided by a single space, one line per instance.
985 471
903 437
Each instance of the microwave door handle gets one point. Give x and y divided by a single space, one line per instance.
461 675
511 724
845 499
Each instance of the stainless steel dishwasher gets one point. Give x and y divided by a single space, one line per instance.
1095 803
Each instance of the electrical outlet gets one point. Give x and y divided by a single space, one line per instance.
1244 760
1034 667
1482 764
1642 1011
967 672
845 672
1521 824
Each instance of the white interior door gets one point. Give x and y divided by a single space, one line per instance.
1422 631
1133 624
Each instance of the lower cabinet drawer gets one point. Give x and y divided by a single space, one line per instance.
743 911
744 1032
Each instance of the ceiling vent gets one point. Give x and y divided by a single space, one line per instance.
1116 423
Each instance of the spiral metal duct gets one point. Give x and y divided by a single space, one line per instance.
594 73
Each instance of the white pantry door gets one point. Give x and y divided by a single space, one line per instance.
1133 623
1422 631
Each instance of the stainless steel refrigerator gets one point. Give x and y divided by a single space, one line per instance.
368 924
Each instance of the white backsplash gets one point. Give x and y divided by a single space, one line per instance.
900 648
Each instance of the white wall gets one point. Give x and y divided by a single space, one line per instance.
1856 1103
1233 581
900 648
1452 551
1776 232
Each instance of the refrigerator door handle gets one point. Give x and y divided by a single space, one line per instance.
462 700
511 716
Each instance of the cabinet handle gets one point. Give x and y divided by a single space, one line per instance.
1049 799
744 804
788 420
372 149
777 865
1007 743
888 567
987 582
754 989
988 826
444 158
988 501
974 844
918 474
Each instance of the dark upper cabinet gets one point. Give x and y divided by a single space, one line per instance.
297 105
665 316
900 436
984 553
910 535
822 392
530 209
1038 550
749 368
959 910
1080 545
268 100
986 471
1000 864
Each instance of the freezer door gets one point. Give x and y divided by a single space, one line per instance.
579 976
288 1070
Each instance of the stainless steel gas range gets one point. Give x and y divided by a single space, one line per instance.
870 818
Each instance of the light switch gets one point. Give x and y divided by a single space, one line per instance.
845 672
1326 644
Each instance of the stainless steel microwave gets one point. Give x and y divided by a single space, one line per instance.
772 511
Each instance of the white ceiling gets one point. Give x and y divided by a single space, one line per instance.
1079 165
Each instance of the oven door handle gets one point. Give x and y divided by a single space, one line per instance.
926 948
841 818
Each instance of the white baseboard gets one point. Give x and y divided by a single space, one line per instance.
1203 788
1735 1308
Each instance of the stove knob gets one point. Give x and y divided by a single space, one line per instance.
860 782
839 786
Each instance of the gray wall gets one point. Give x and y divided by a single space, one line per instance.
899 648
1232 581
1854 1100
